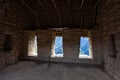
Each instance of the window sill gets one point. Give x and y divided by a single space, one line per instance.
57 56
85 57
33 54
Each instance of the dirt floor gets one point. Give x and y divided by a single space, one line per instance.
30 70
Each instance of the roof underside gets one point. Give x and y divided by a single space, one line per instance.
44 14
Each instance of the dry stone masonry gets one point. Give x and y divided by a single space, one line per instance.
16 28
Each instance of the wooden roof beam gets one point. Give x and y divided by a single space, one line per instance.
57 12
81 7
27 19
70 11
37 17
82 3
97 3
95 13
47 12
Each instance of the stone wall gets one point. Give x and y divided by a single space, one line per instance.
107 27
10 24
108 21
71 44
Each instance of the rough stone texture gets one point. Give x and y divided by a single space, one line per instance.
71 44
10 24
107 24
108 21
44 71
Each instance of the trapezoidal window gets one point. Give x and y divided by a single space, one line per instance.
57 47
85 48
32 45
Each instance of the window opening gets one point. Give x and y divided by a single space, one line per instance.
32 45
85 48
58 47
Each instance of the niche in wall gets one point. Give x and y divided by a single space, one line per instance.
113 51
7 43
